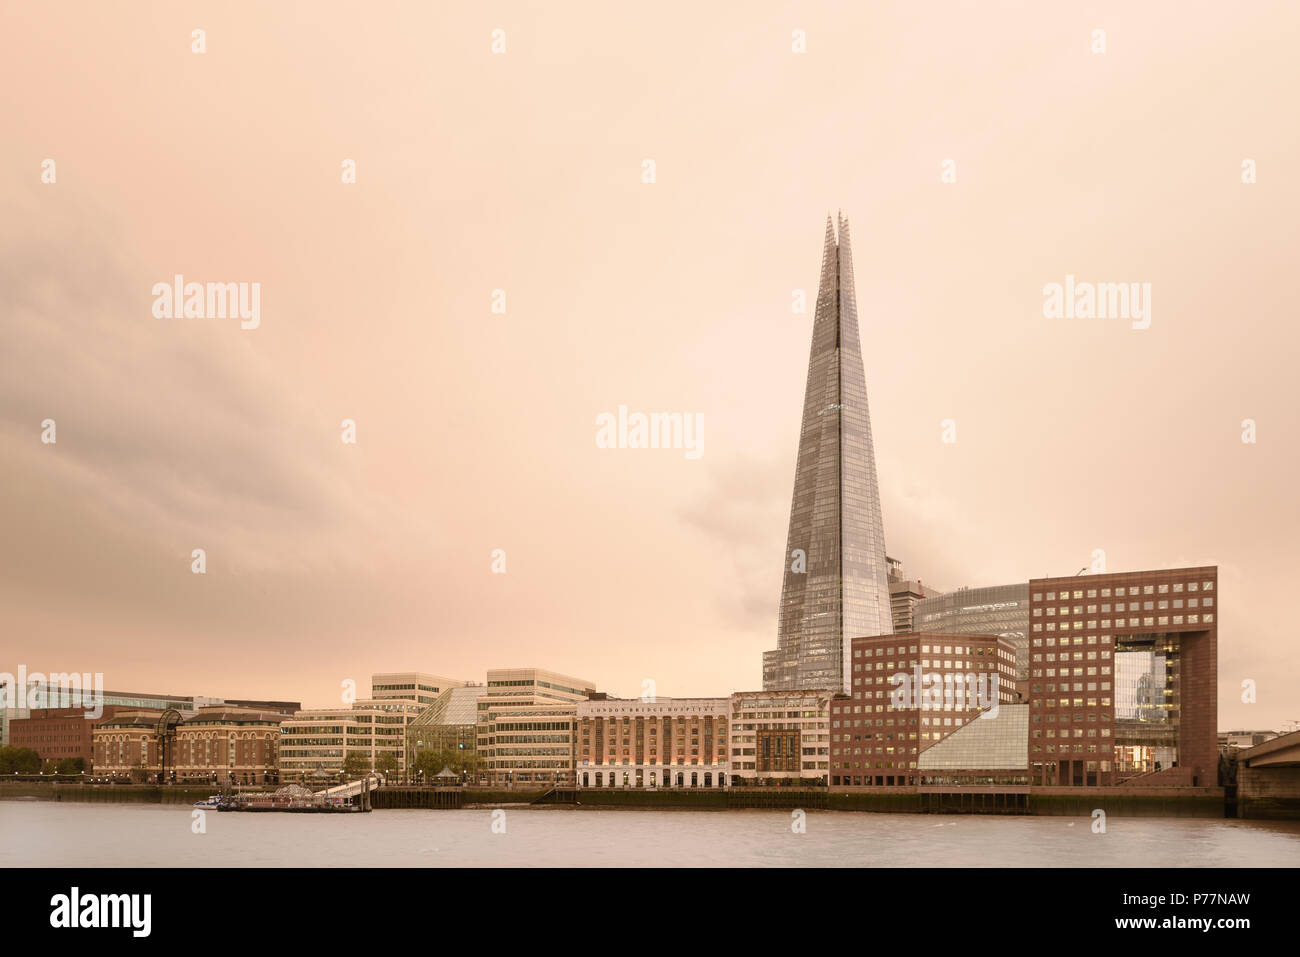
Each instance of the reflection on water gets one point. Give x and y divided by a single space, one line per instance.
42 833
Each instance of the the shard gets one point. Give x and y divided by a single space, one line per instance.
836 583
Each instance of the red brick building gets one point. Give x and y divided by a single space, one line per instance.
223 744
127 744
896 708
57 734
1123 676
219 745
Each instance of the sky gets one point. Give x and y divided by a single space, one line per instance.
524 172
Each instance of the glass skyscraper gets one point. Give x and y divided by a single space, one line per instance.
836 583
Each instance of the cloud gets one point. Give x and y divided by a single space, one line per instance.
178 430
746 510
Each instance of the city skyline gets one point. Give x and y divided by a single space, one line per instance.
476 429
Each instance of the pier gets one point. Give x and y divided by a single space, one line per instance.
394 798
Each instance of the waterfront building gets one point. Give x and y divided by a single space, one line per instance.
414 687
217 744
897 708
129 745
316 743
1123 676
528 686
665 743
991 751
227 745
528 745
835 575
49 717
780 737
58 734
449 725
991 610
525 732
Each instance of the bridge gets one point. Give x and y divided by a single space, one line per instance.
1268 779
371 782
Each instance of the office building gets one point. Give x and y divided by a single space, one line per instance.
909 693
993 750
316 744
1123 679
414 687
58 734
835 576
526 726
780 737
448 726
904 595
992 610
1238 740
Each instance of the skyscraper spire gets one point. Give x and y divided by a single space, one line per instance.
836 583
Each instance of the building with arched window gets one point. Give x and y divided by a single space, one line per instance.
127 744
222 744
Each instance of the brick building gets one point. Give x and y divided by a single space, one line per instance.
666 743
218 744
224 745
128 744
1123 675
908 693
58 734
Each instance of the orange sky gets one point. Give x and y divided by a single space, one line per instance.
476 431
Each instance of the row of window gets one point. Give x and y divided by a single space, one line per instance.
1132 606
1146 622
978 651
1072 703
1166 588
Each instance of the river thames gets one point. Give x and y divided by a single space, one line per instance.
47 833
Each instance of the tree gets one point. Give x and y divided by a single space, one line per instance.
427 762
386 762
19 760
432 761
355 764
465 762
72 765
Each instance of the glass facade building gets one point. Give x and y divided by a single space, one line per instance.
448 725
836 583
995 610
996 741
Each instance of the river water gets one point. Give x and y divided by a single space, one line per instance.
46 833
